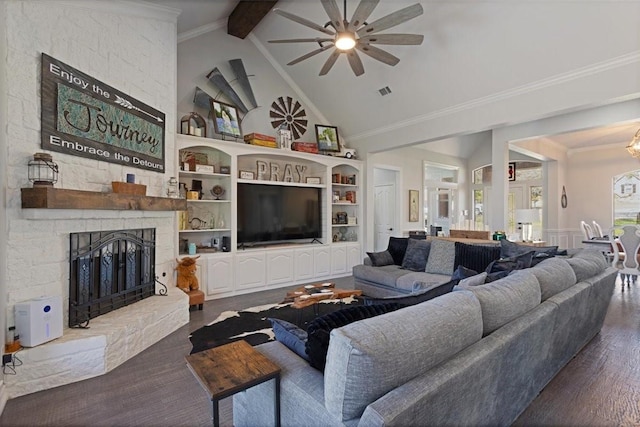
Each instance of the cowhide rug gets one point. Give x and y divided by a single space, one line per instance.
253 326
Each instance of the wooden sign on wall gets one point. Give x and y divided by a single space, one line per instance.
82 116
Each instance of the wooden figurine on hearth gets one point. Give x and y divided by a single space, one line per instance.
186 268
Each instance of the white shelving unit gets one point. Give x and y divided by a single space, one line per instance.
243 270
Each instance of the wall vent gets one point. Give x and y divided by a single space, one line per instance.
385 91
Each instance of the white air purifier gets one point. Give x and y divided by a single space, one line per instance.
39 320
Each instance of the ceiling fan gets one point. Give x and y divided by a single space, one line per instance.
357 34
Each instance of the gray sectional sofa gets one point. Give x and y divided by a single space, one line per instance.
475 356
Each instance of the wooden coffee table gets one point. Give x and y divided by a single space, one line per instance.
225 370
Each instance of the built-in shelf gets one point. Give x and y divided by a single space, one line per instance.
59 198
205 230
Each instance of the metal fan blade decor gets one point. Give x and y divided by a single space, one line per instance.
289 113
349 36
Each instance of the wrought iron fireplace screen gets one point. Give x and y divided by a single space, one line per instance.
109 270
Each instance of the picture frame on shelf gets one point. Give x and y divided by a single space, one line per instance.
225 170
247 175
327 138
225 119
414 195
205 168
313 180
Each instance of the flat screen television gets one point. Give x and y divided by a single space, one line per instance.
274 213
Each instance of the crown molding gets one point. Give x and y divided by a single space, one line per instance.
203 29
578 73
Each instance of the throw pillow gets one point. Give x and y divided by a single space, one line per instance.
475 257
415 258
463 272
509 264
294 338
397 247
414 298
477 280
441 257
379 259
511 249
319 330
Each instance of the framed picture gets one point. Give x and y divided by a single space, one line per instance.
225 169
313 180
225 119
247 175
512 171
327 137
414 196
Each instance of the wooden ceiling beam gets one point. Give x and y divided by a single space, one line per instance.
247 15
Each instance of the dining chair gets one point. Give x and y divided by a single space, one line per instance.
587 232
625 252
597 230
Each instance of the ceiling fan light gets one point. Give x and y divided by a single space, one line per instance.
345 41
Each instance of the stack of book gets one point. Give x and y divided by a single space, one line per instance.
260 139
307 147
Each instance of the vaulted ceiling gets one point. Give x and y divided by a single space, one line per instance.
410 81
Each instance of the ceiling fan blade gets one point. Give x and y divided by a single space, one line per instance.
364 9
316 40
303 21
395 39
310 54
377 53
333 11
355 62
391 20
330 61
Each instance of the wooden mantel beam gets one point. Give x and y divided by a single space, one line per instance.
247 15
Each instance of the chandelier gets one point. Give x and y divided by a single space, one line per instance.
634 146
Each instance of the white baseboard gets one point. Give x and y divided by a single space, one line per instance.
4 396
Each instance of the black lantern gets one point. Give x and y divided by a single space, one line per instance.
193 124
43 171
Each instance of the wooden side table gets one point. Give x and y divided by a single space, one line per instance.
225 370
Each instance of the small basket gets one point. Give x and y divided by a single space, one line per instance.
129 188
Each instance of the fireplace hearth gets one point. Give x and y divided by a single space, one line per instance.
109 270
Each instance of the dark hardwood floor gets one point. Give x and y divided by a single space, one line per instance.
599 387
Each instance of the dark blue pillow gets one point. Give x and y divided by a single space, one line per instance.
462 272
476 257
294 338
397 247
379 259
509 264
415 258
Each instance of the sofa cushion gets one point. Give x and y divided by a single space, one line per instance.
475 257
397 247
587 263
319 330
294 338
415 281
386 275
554 275
368 359
506 299
380 259
476 280
415 257
441 257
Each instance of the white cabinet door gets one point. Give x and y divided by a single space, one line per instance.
250 270
279 267
303 265
321 262
219 274
354 256
338 259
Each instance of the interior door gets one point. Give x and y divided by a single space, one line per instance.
384 215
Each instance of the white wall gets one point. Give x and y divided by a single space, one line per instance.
3 188
198 56
126 45
410 162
